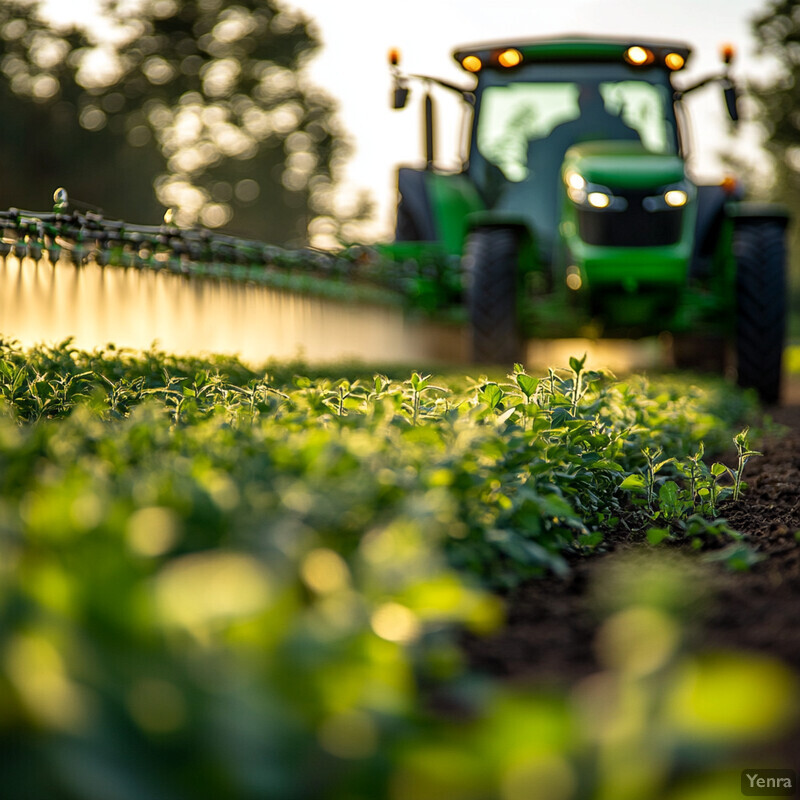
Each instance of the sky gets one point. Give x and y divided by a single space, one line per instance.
357 35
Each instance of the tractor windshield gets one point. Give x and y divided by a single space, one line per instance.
521 124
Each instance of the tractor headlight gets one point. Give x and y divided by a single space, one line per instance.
675 198
591 195
578 196
574 180
598 199
670 197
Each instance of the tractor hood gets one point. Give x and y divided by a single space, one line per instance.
623 165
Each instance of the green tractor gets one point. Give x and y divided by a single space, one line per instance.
574 215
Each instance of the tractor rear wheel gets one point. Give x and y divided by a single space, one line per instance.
759 247
490 269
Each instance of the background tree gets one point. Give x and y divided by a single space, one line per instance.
777 30
199 105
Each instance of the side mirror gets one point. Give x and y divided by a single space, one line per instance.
399 96
730 93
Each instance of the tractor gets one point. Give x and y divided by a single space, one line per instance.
573 213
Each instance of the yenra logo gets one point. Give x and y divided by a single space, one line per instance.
769 783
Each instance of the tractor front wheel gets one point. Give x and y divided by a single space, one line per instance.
490 269
759 247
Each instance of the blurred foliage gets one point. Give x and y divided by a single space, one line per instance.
216 582
777 31
199 105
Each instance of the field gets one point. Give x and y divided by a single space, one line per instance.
284 584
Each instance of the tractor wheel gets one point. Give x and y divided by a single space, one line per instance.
490 267
760 251
406 229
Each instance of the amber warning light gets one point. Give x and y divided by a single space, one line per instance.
510 58
728 52
674 61
472 64
638 56
394 56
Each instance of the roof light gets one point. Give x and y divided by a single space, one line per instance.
675 198
510 58
471 63
638 56
674 61
394 56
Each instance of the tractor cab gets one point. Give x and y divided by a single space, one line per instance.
528 118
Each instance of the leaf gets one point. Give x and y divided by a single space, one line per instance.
492 394
668 494
633 482
576 364
590 540
419 382
604 463
506 415
737 556
527 384
657 467
657 535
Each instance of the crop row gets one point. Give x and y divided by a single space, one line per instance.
221 583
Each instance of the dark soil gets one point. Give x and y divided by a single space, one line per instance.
553 621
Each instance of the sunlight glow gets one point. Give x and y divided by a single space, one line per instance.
202 588
152 531
395 623
325 571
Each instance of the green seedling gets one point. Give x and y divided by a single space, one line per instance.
744 454
342 390
693 468
654 465
416 387
525 387
578 390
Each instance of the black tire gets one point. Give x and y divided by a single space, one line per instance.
490 270
406 229
759 247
